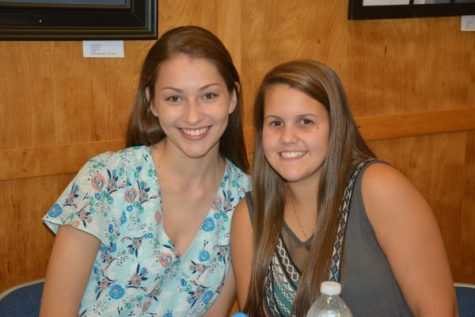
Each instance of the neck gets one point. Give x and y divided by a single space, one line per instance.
303 194
302 201
184 169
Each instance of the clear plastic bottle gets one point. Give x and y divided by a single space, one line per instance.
329 303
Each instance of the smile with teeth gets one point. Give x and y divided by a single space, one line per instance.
194 132
293 154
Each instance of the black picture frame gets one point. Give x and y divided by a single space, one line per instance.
358 11
132 20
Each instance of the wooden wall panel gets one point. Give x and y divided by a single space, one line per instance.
436 165
25 242
408 80
405 66
51 160
466 269
175 13
52 95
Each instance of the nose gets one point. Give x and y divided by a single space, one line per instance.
288 134
193 113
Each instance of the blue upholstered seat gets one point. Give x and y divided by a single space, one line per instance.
465 299
22 300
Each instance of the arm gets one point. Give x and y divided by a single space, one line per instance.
222 305
241 250
409 235
68 271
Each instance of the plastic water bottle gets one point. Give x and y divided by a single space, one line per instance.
239 314
329 303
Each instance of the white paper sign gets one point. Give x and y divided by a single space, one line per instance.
103 49
468 23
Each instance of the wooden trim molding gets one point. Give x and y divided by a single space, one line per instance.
416 124
64 159
51 160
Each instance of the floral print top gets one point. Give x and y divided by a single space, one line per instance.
137 272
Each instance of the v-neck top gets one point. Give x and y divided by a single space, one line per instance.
137 271
369 287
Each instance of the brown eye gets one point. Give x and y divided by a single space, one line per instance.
275 123
305 122
173 98
209 96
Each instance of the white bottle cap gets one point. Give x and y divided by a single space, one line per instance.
330 288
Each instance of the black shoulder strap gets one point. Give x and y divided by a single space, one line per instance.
340 235
250 205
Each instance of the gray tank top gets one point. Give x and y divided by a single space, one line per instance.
368 284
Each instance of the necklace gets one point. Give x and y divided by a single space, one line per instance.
306 236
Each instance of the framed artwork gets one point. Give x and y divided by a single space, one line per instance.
390 9
78 19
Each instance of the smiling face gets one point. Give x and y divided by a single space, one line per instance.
192 104
295 134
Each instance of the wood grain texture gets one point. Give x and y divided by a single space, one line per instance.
51 160
25 242
465 269
52 95
174 13
228 28
405 125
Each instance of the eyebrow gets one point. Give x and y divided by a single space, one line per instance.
271 116
180 90
299 116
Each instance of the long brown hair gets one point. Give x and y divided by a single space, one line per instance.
345 150
194 41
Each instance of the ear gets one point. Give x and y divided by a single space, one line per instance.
234 97
150 102
147 93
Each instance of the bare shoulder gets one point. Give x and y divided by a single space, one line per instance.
387 190
380 177
394 205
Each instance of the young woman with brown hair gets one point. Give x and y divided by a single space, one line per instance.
323 208
145 231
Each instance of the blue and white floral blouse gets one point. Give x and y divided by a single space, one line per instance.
137 271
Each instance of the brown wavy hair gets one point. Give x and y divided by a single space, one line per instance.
197 42
345 150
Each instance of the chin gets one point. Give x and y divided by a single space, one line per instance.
293 179
199 150
293 176
198 153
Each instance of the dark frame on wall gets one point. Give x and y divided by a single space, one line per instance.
91 20
357 10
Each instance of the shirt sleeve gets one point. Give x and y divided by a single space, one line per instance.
87 203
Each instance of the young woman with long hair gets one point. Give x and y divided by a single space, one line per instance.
323 208
145 231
